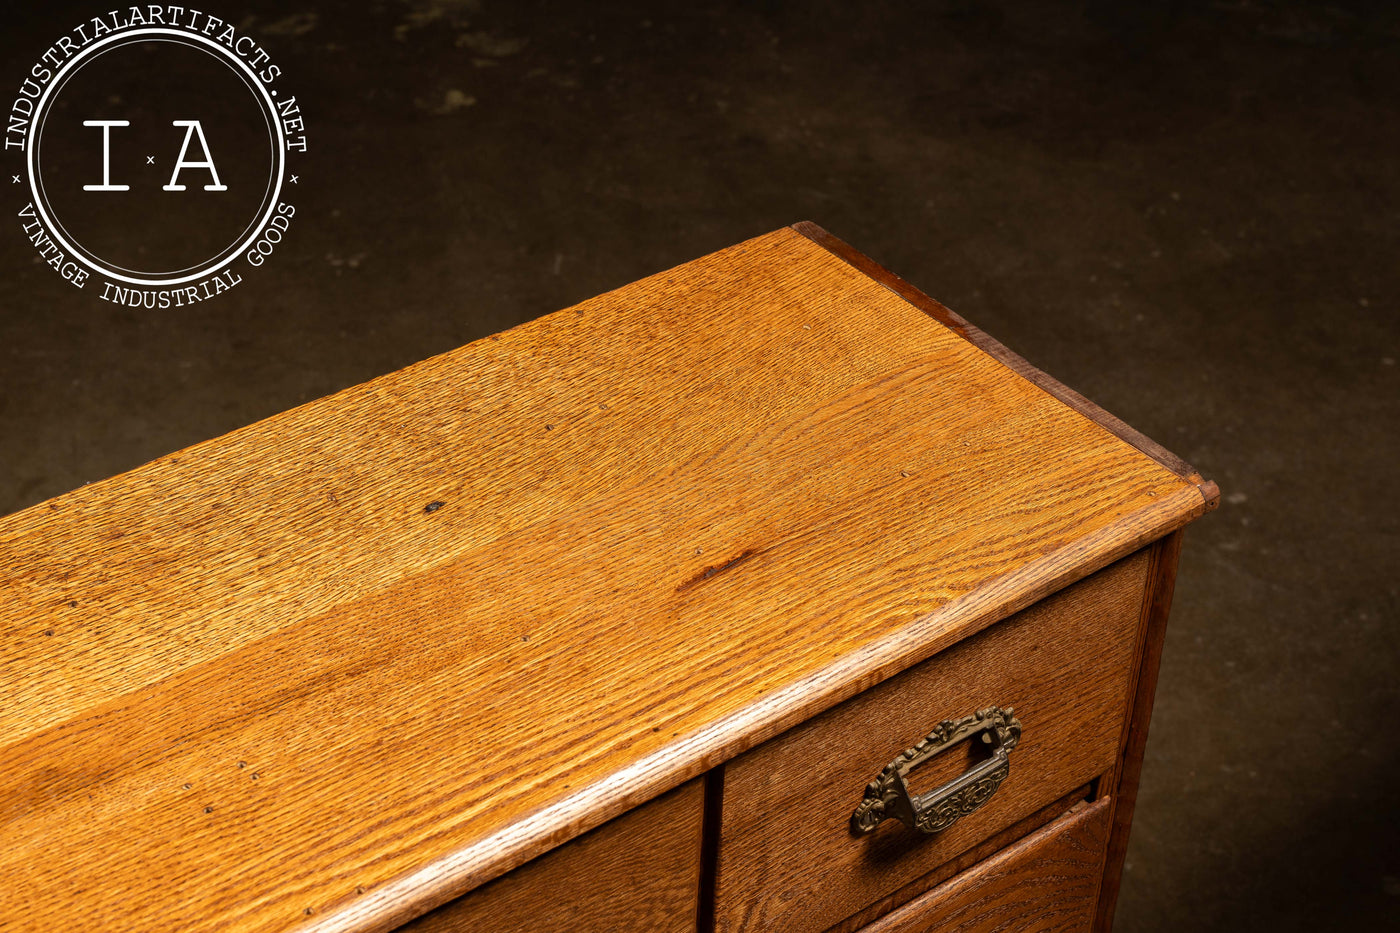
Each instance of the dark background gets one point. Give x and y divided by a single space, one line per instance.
1188 212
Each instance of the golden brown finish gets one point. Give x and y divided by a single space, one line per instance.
979 338
788 860
1045 883
639 872
339 667
983 850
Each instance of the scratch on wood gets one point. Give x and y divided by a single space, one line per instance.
708 572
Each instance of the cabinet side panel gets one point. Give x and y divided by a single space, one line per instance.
1161 580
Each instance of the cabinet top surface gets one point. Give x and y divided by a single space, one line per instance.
334 667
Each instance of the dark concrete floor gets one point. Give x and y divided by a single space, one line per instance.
1192 215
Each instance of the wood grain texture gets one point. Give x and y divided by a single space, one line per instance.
1046 883
1161 583
260 685
1210 493
983 850
639 872
788 860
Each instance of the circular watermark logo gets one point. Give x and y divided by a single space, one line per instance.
157 152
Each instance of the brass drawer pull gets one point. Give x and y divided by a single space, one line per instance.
888 794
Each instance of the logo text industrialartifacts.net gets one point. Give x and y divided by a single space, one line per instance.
157 149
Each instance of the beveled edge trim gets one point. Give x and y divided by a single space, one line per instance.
488 857
1210 493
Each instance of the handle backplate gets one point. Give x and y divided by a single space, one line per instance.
888 795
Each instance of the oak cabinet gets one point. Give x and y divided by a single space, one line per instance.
762 594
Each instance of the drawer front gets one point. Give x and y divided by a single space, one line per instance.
638 872
788 858
1047 882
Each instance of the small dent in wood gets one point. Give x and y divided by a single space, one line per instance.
434 506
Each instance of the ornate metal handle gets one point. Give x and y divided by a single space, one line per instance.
888 795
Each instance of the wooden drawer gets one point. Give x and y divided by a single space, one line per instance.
788 859
639 872
1048 881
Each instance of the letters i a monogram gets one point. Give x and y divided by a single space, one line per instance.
192 129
